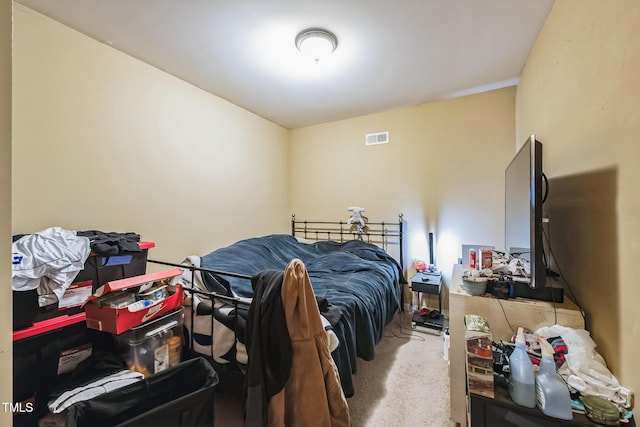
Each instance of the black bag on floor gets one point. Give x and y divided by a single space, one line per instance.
181 396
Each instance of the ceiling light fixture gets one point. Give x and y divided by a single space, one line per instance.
316 43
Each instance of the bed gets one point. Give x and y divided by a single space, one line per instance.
356 281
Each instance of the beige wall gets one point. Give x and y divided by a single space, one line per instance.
5 208
443 169
104 141
579 93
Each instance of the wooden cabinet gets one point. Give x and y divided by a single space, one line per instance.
504 316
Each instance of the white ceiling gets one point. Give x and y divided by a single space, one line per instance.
390 54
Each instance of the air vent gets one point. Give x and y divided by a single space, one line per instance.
376 138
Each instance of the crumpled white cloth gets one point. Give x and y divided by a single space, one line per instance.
585 369
96 388
332 338
48 260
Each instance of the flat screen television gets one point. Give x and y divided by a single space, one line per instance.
525 191
523 209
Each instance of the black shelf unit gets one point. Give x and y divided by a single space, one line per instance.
428 282
502 411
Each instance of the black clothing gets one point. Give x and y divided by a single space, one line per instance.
268 346
111 243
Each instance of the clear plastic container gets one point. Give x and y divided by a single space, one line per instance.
552 393
153 346
522 382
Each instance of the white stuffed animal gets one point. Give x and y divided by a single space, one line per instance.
356 216
358 222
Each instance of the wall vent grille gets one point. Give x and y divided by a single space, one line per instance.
376 138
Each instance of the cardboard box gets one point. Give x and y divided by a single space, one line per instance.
118 319
479 355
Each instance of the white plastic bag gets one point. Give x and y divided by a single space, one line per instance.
585 369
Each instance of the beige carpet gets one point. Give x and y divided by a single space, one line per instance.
407 384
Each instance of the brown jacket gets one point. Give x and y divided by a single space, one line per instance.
313 395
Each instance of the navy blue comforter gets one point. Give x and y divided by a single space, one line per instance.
359 280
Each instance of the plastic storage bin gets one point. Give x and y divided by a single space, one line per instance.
181 396
25 308
101 269
98 270
153 346
45 356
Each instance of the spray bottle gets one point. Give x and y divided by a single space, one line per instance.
552 393
522 387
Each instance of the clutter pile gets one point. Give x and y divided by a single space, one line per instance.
562 359
91 327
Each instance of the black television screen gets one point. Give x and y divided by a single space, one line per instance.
523 209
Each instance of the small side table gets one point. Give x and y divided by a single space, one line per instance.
428 282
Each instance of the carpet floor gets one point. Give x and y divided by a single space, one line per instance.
407 384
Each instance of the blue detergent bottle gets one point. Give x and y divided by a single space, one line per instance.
552 393
522 382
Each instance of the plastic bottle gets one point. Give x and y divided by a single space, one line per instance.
552 393
447 339
473 259
522 382
139 305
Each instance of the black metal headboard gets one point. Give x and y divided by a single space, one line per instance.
383 234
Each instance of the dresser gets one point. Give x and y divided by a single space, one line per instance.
503 316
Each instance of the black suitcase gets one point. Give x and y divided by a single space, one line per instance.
180 396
